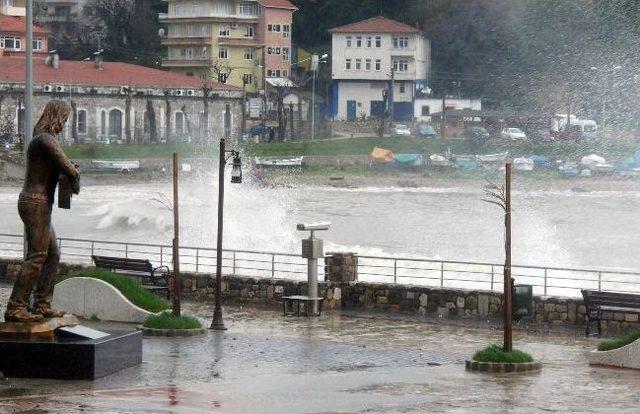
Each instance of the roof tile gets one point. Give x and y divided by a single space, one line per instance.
16 24
377 24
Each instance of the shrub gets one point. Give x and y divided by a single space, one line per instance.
128 286
166 320
495 353
620 341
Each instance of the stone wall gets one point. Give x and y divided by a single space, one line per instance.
460 304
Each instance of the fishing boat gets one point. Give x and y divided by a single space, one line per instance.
523 164
123 166
296 162
497 157
439 161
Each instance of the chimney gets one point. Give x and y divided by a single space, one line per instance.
98 62
56 61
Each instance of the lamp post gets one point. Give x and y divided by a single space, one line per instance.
315 62
236 178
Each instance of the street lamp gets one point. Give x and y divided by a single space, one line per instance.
315 61
236 178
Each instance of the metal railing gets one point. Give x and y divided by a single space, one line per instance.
377 269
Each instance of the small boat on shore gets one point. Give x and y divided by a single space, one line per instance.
497 157
523 164
296 162
439 161
123 166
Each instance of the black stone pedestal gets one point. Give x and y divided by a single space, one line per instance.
70 358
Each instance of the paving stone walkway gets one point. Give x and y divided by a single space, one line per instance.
266 363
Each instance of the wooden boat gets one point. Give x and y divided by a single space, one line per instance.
296 162
497 157
124 166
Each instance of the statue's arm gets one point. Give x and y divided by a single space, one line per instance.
62 161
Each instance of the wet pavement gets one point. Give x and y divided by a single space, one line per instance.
339 363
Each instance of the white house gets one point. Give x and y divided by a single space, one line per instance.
425 107
369 57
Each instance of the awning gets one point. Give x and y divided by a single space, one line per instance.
280 82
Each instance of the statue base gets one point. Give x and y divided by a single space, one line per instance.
47 349
41 329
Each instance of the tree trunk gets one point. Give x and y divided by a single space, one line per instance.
280 114
186 120
292 133
205 105
151 117
74 122
167 118
127 118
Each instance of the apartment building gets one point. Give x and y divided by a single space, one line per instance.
12 7
228 40
373 57
12 37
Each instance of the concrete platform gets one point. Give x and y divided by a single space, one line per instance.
65 358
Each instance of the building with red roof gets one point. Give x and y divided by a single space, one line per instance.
114 101
375 60
12 37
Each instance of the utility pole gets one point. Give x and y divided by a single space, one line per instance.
392 94
264 89
508 282
176 241
244 106
382 113
315 62
443 118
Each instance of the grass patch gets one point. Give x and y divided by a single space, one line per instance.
128 286
137 151
166 320
619 341
495 353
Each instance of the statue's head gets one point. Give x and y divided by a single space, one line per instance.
53 118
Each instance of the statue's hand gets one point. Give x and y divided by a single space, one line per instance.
75 184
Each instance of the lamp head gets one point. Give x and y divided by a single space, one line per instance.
236 169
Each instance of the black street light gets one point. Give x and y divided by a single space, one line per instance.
236 178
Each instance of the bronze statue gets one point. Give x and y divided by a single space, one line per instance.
46 162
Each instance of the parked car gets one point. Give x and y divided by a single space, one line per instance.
513 134
477 134
401 130
426 131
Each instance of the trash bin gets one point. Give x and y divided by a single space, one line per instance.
522 301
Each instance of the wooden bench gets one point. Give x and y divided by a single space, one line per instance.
152 278
597 302
294 300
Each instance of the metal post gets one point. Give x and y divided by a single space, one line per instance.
92 248
395 270
508 339
234 263
492 273
545 282
441 274
161 258
126 250
599 281
217 323
312 282
273 265
176 240
313 105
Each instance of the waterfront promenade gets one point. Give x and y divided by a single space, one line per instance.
339 363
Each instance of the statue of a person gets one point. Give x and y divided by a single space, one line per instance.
46 162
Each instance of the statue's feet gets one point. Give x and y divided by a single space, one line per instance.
48 312
21 315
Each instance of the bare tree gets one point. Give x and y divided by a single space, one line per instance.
74 121
150 122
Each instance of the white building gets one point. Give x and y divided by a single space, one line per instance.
12 7
367 58
425 107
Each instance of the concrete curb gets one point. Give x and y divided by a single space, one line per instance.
627 356
502 367
171 332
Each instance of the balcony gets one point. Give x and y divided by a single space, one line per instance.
186 63
186 40
237 41
208 18
58 18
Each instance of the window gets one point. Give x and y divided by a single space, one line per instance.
189 30
82 121
401 42
37 43
368 43
285 53
225 30
358 64
222 77
359 41
285 73
378 64
10 43
367 64
248 53
276 28
277 73
286 30
425 110
347 65
249 31
195 9
378 41
401 65
203 52
278 51
269 51
269 73
402 88
248 9
188 53
103 122
204 30
223 53
223 8
247 79
270 28
179 122
349 41
179 9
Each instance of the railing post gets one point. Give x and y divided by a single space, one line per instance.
441 274
92 248
197 258
492 274
273 265
545 281
395 270
234 263
126 250
599 281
